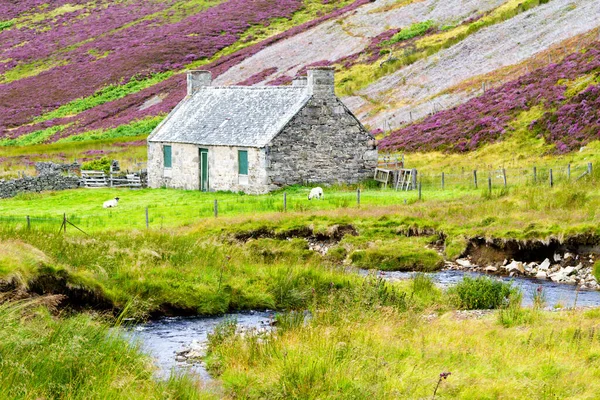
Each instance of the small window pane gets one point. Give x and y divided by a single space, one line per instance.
167 156
243 162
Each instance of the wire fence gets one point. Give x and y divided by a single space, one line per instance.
505 177
432 185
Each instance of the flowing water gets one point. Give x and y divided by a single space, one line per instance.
163 338
556 294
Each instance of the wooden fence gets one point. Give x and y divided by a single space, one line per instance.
98 179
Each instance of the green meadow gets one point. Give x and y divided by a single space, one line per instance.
366 337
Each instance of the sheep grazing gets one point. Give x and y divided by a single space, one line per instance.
316 193
111 203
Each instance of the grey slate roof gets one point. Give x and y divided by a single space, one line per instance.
232 116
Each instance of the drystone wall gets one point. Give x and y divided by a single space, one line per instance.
10 188
50 177
50 168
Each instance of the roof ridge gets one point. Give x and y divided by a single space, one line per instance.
256 87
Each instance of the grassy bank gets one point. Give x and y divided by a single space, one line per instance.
363 348
75 357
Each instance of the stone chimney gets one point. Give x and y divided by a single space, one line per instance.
300 81
321 81
196 80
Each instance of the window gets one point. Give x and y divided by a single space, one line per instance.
167 156
243 162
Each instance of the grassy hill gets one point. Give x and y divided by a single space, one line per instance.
85 79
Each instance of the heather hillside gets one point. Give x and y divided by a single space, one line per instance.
560 102
95 78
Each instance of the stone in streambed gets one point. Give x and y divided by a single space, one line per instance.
463 262
515 266
491 268
541 275
544 265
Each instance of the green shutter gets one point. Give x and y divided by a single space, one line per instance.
167 156
243 162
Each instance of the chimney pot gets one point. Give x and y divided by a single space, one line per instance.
196 80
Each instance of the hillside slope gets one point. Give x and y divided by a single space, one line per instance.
78 71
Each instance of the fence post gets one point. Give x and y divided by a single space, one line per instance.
569 171
358 196
28 223
147 219
534 174
443 181
551 178
65 222
589 168
504 175
414 178
420 190
475 177
216 208
490 184
284 201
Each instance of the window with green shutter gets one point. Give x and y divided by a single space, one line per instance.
167 156
243 162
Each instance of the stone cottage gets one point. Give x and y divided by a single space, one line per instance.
257 139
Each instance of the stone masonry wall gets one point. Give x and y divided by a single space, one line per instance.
323 143
222 166
12 187
184 172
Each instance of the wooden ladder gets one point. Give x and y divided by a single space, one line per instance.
405 179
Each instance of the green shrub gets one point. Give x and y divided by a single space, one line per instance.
480 293
102 164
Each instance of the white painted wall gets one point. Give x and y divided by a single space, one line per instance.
223 168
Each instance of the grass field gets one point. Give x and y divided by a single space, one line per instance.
366 338
361 348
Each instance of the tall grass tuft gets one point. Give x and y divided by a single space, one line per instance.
480 293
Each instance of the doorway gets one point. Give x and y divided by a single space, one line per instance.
203 157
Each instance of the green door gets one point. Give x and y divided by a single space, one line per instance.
204 170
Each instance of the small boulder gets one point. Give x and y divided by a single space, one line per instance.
541 275
544 265
463 262
491 268
557 257
515 266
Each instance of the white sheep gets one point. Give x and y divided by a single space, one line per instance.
316 193
111 203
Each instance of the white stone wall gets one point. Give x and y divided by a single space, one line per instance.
184 172
223 170
222 167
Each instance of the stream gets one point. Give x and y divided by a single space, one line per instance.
556 294
164 337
